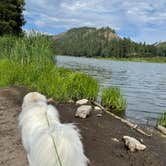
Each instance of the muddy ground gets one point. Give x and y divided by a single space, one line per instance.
97 133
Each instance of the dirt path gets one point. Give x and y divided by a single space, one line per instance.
11 150
97 135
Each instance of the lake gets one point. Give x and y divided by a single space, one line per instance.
143 84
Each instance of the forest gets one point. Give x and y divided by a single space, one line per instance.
103 42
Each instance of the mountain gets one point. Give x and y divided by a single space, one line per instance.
102 42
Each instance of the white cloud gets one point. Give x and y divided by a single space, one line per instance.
137 19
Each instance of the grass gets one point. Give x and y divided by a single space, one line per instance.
113 100
34 48
162 120
28 61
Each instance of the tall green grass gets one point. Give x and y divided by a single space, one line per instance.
34 48
162 120
28 61
113 100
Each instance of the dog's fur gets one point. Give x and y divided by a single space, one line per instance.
47 141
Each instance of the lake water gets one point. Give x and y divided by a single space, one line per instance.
143 84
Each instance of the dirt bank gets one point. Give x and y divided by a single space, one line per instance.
97 135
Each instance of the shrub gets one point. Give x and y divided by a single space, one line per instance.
113 100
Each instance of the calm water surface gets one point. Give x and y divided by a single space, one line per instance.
143 84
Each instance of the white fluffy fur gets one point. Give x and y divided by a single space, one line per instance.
43 134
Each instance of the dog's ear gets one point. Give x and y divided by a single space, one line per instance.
33 97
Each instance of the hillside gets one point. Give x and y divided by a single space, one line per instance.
101 42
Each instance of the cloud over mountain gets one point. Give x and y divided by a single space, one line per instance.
142 20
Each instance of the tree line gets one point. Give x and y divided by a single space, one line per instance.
103 42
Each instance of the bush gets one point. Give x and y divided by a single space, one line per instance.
113 100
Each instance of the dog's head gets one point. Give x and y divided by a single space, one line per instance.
33 97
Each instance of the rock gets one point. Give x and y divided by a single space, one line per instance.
96 108
99 115
83 111
133 144
115 140
71 101
82 102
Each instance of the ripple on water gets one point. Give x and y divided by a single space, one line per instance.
143 84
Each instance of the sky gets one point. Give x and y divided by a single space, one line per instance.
141 20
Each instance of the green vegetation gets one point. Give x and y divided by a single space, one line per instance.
162 120
11 16
34 48
113 100
104 42
28 61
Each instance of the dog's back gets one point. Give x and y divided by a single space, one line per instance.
46 140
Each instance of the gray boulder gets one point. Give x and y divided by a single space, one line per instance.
83 111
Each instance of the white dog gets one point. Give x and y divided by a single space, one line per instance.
47 141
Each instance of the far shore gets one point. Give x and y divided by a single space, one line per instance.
134 59
150 60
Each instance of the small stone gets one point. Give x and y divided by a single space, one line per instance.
133 144
2 108
70 101
115 140
141 140
99 115
82 102
83 111
96 108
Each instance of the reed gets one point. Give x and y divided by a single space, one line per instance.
113 100
28 61
162 120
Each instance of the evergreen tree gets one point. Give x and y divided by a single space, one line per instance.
104 42
11 16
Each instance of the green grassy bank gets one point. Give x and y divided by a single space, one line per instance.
28 61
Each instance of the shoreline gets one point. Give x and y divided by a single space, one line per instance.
160 60
97 133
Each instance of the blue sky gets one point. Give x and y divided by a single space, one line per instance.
141 20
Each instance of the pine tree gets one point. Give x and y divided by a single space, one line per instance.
11 16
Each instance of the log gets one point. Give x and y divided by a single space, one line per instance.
128 123
162 129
